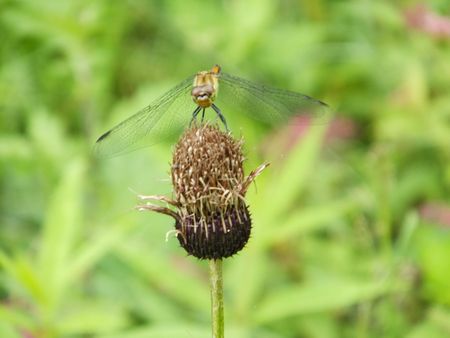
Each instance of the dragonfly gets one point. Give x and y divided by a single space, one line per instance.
181 106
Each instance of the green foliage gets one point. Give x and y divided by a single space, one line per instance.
345 241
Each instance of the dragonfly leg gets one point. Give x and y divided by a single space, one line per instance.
203 114
194 114
221 117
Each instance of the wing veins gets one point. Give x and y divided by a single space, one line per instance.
259 91
141 123
249 85
287 102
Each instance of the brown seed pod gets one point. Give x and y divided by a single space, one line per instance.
212 220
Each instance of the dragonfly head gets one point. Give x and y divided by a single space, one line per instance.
203 95
205 87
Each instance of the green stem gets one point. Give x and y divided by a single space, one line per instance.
216 281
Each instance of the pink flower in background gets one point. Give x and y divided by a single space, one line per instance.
422 18
338 129
436 213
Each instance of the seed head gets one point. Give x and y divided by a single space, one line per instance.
212 220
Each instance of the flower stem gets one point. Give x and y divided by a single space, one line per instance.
216 281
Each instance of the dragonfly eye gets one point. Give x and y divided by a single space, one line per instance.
215 70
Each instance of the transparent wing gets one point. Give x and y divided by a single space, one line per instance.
162 119
267 104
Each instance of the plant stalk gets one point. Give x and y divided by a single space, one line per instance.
216 282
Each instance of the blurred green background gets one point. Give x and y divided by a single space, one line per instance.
351 232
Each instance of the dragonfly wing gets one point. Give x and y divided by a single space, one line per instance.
163 118
267 104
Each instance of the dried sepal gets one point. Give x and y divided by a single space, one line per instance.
252 176
159 198
159 209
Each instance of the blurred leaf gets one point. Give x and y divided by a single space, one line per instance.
316 297
433 246
7 331
426 330
47 135
14 148
15 317
168 279
93 318
164 331
60 232
148 302
245 276
292 178
440 315
304 220
93 250
24 277
407 232
436 325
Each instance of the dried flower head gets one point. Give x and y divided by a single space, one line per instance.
212 220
